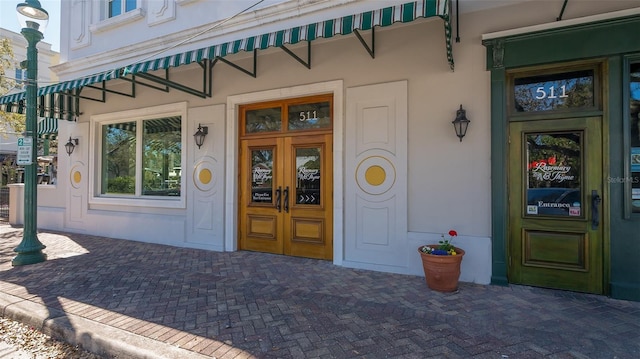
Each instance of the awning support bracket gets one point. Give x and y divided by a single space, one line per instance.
134 82
255 62
370 49
166 82
307 64
77 95
171 84
104 89
207 68
562 11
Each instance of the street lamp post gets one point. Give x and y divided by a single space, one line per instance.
33 19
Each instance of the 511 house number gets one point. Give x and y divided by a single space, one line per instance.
309 115
541 93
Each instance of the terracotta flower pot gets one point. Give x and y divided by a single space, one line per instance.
441 272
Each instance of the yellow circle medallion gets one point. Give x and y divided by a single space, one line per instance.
77 177
375 175
205 176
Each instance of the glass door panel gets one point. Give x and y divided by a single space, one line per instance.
308 163
554 173
262 176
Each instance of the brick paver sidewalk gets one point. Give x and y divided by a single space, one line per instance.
134 299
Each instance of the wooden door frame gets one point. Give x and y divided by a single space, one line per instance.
555 44
500 87
232 158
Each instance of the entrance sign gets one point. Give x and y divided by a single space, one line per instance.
553 168
308 190
261 176
25 150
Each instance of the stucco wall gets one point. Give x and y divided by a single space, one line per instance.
448 181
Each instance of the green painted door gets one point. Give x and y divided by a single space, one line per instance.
555 212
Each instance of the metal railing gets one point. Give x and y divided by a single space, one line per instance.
4 204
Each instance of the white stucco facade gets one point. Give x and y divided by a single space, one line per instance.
439 182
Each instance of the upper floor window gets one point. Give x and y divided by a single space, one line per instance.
118 7
21 76
112 14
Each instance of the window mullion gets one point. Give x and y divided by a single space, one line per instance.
139 159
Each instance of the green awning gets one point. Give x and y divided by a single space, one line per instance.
346 25
59 87
325 29
48 127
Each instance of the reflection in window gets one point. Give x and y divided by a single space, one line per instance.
162 150
21 77
119 158
554 92
634 122
308 175
553 170
263 120
118 7
262 176
159 172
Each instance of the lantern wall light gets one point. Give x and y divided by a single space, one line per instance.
71 145
199 136
461 123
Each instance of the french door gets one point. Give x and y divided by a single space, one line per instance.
286 173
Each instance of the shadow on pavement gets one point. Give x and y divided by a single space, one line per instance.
249 304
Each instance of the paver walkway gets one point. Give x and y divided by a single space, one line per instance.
132 299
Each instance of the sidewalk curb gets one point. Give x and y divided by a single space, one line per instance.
98 338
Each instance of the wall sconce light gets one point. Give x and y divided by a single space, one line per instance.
201 134
461 123
71 145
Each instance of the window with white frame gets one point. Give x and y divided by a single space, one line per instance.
141 158
119 7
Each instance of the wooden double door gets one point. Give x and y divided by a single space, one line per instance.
286 197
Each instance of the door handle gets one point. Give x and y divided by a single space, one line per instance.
278 198
286 199
595 203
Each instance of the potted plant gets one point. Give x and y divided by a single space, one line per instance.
441 264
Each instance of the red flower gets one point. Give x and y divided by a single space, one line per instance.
453 233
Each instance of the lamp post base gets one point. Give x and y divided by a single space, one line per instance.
29 258
29 251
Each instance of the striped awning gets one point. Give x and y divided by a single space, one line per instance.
48 127
60 87
325 29
404 13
